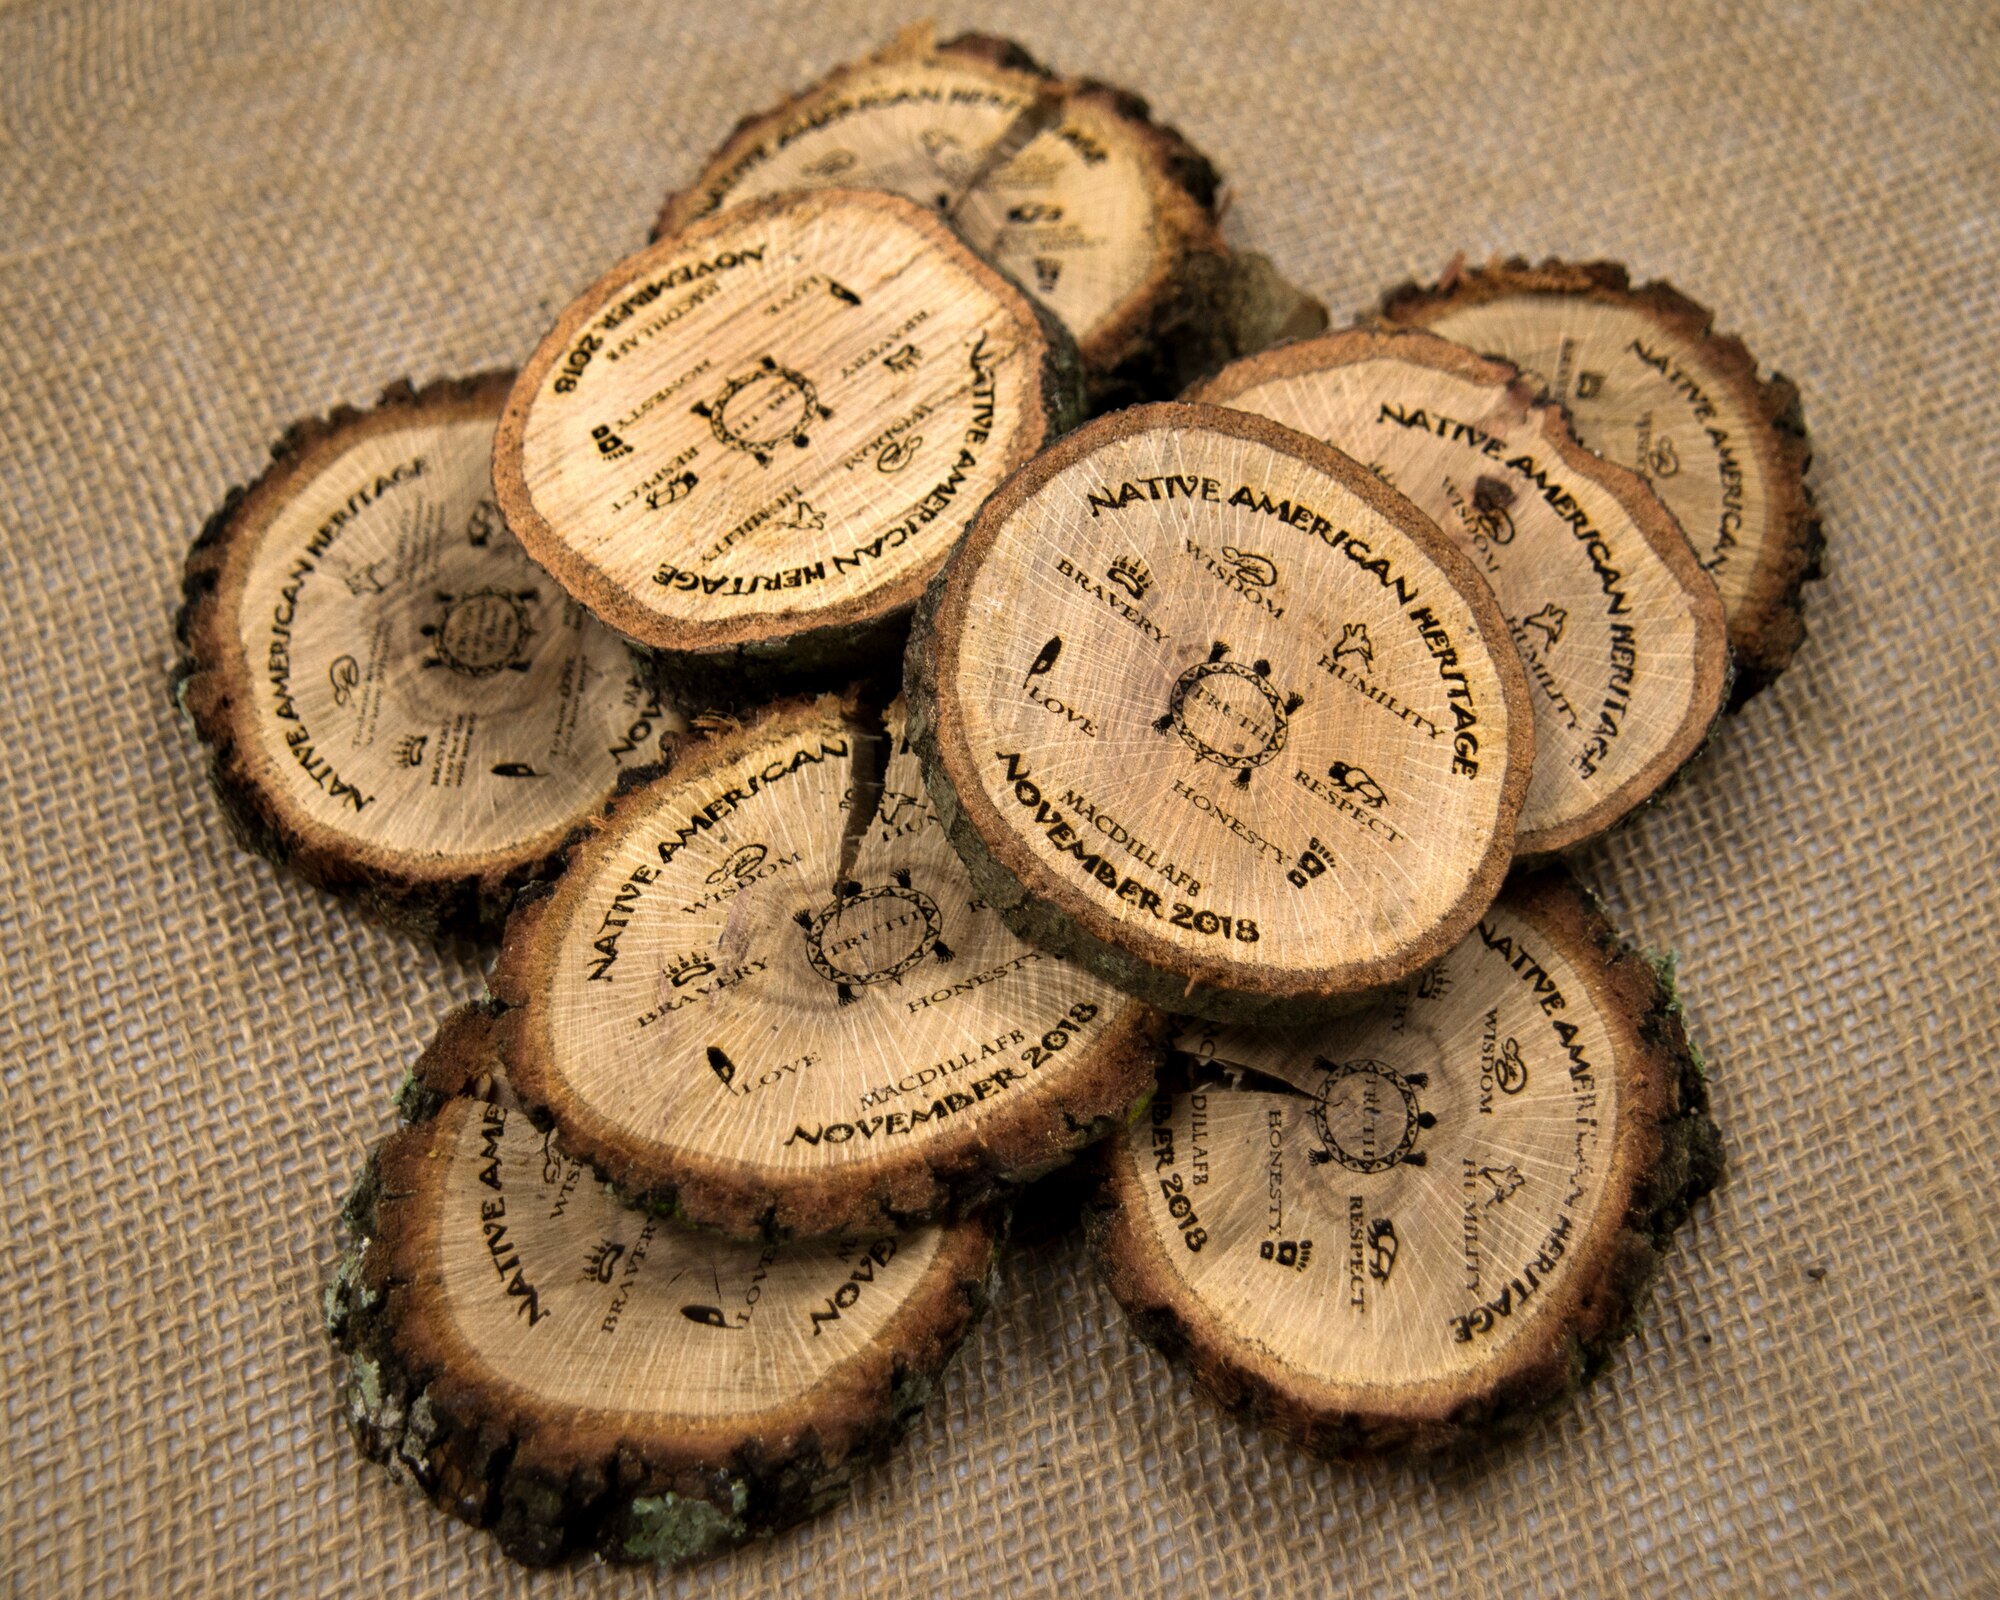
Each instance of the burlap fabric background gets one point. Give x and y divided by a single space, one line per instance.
220 219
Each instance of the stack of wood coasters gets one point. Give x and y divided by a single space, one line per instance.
1651 385
1618 627
894 786
398 703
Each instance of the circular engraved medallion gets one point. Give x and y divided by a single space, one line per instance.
865 936
1621 630
763 408
752 443
400 702
764 991
1401 1227
1367 1115
1228 713
506 1320
1136 698
481 633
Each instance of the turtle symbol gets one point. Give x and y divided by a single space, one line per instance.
1490 517
740 863
831 165
1251 568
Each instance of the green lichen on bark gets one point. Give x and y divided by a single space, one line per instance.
669 1528
442 1430
373 1403
1666 967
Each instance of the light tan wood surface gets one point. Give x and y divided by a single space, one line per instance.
1408 1226
1650 384
577 1374
751 444
1142 700
398 701
1620 629
766 993
1070 187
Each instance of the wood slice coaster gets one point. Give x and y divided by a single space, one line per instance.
1620 629
750 446
398 702
1133 694
1070 186
575 1375
1649 384
764 996
1412 1227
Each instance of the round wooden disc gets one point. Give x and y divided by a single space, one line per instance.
1650 385
754 442
765 994
399 703
1105 215
1411 1226
578 1375
1620 629
1129 698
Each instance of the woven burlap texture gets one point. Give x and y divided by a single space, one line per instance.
219 219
